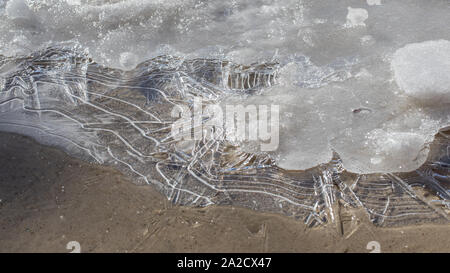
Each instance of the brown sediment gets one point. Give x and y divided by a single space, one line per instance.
49 199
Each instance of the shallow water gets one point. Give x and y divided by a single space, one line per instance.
360 126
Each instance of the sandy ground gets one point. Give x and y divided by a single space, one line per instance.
49 199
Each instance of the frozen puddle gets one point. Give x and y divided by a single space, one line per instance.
363 120
61 98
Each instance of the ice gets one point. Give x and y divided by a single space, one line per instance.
18 9
422 70
362 88
356 17
247 31
109 116
373 2
368 123
128 60
393 147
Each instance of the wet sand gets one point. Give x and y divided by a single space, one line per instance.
49 199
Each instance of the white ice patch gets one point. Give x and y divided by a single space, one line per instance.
356 17
373 2
422 70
